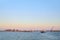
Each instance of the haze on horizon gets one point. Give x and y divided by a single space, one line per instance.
29 14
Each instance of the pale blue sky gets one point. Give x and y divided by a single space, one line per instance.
30 11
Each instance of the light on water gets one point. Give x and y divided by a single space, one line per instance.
29 36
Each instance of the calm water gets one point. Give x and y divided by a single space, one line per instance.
29 36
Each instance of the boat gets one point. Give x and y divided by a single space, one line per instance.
42 32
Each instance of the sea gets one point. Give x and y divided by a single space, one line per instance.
29 36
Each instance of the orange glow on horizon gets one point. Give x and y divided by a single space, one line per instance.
28 26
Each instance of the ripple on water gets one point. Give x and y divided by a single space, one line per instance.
29 36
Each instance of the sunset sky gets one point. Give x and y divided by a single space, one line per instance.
29 14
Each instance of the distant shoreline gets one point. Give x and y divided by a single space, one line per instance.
29 31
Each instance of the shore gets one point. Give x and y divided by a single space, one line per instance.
9 30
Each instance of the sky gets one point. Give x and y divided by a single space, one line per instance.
29 14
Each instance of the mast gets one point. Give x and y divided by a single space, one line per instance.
52 29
